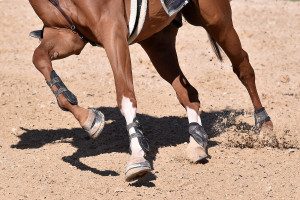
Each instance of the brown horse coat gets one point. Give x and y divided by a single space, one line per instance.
106 21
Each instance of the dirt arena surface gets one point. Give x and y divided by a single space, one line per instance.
44 154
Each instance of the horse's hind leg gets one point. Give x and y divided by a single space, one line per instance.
215 17
161 50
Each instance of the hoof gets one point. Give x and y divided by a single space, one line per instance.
267 126
94 124
137 168
266 135
195 152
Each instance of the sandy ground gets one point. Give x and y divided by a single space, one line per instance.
44 154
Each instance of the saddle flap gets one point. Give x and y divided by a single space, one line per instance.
173 6
37 34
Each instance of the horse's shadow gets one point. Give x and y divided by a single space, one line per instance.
161 132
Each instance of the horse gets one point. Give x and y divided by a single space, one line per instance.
70 24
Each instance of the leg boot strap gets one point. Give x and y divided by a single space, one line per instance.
198 133
143 141
261 116
61 89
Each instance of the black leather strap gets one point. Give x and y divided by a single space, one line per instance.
134 124
61 89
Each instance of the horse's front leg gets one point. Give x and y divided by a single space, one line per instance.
57 45
114 39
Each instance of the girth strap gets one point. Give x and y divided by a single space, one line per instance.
136 18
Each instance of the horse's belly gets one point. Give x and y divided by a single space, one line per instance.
156 20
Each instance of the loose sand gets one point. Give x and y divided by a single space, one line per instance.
44 154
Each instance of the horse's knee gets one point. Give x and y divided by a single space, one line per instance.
40 58
35 57
193 98
192 94
186 93
188 96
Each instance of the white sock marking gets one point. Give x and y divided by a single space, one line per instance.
129 112
193 116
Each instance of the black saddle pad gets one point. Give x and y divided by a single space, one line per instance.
37 34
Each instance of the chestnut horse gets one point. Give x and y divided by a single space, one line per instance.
106 23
